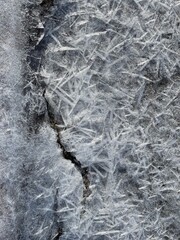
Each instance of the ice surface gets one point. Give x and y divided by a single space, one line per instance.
111 71
39 189
104 84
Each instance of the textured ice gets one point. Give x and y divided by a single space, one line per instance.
39 189
112 79
104 87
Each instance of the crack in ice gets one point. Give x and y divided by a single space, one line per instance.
68 155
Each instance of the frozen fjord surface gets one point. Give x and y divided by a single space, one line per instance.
111 70
9 79
33 172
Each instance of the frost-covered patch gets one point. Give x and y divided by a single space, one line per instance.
40 191
100 95
111 70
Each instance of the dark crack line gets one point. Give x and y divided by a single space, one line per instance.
68 155
46 4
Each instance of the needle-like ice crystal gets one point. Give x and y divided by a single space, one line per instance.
90 120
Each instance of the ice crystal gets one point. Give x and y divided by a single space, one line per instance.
100 113
112 78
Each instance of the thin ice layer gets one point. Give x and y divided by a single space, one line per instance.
111 70
37 184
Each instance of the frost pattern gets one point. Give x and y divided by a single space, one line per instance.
39 189
111 70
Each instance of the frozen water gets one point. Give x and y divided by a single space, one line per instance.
39 189
111 71
103 88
